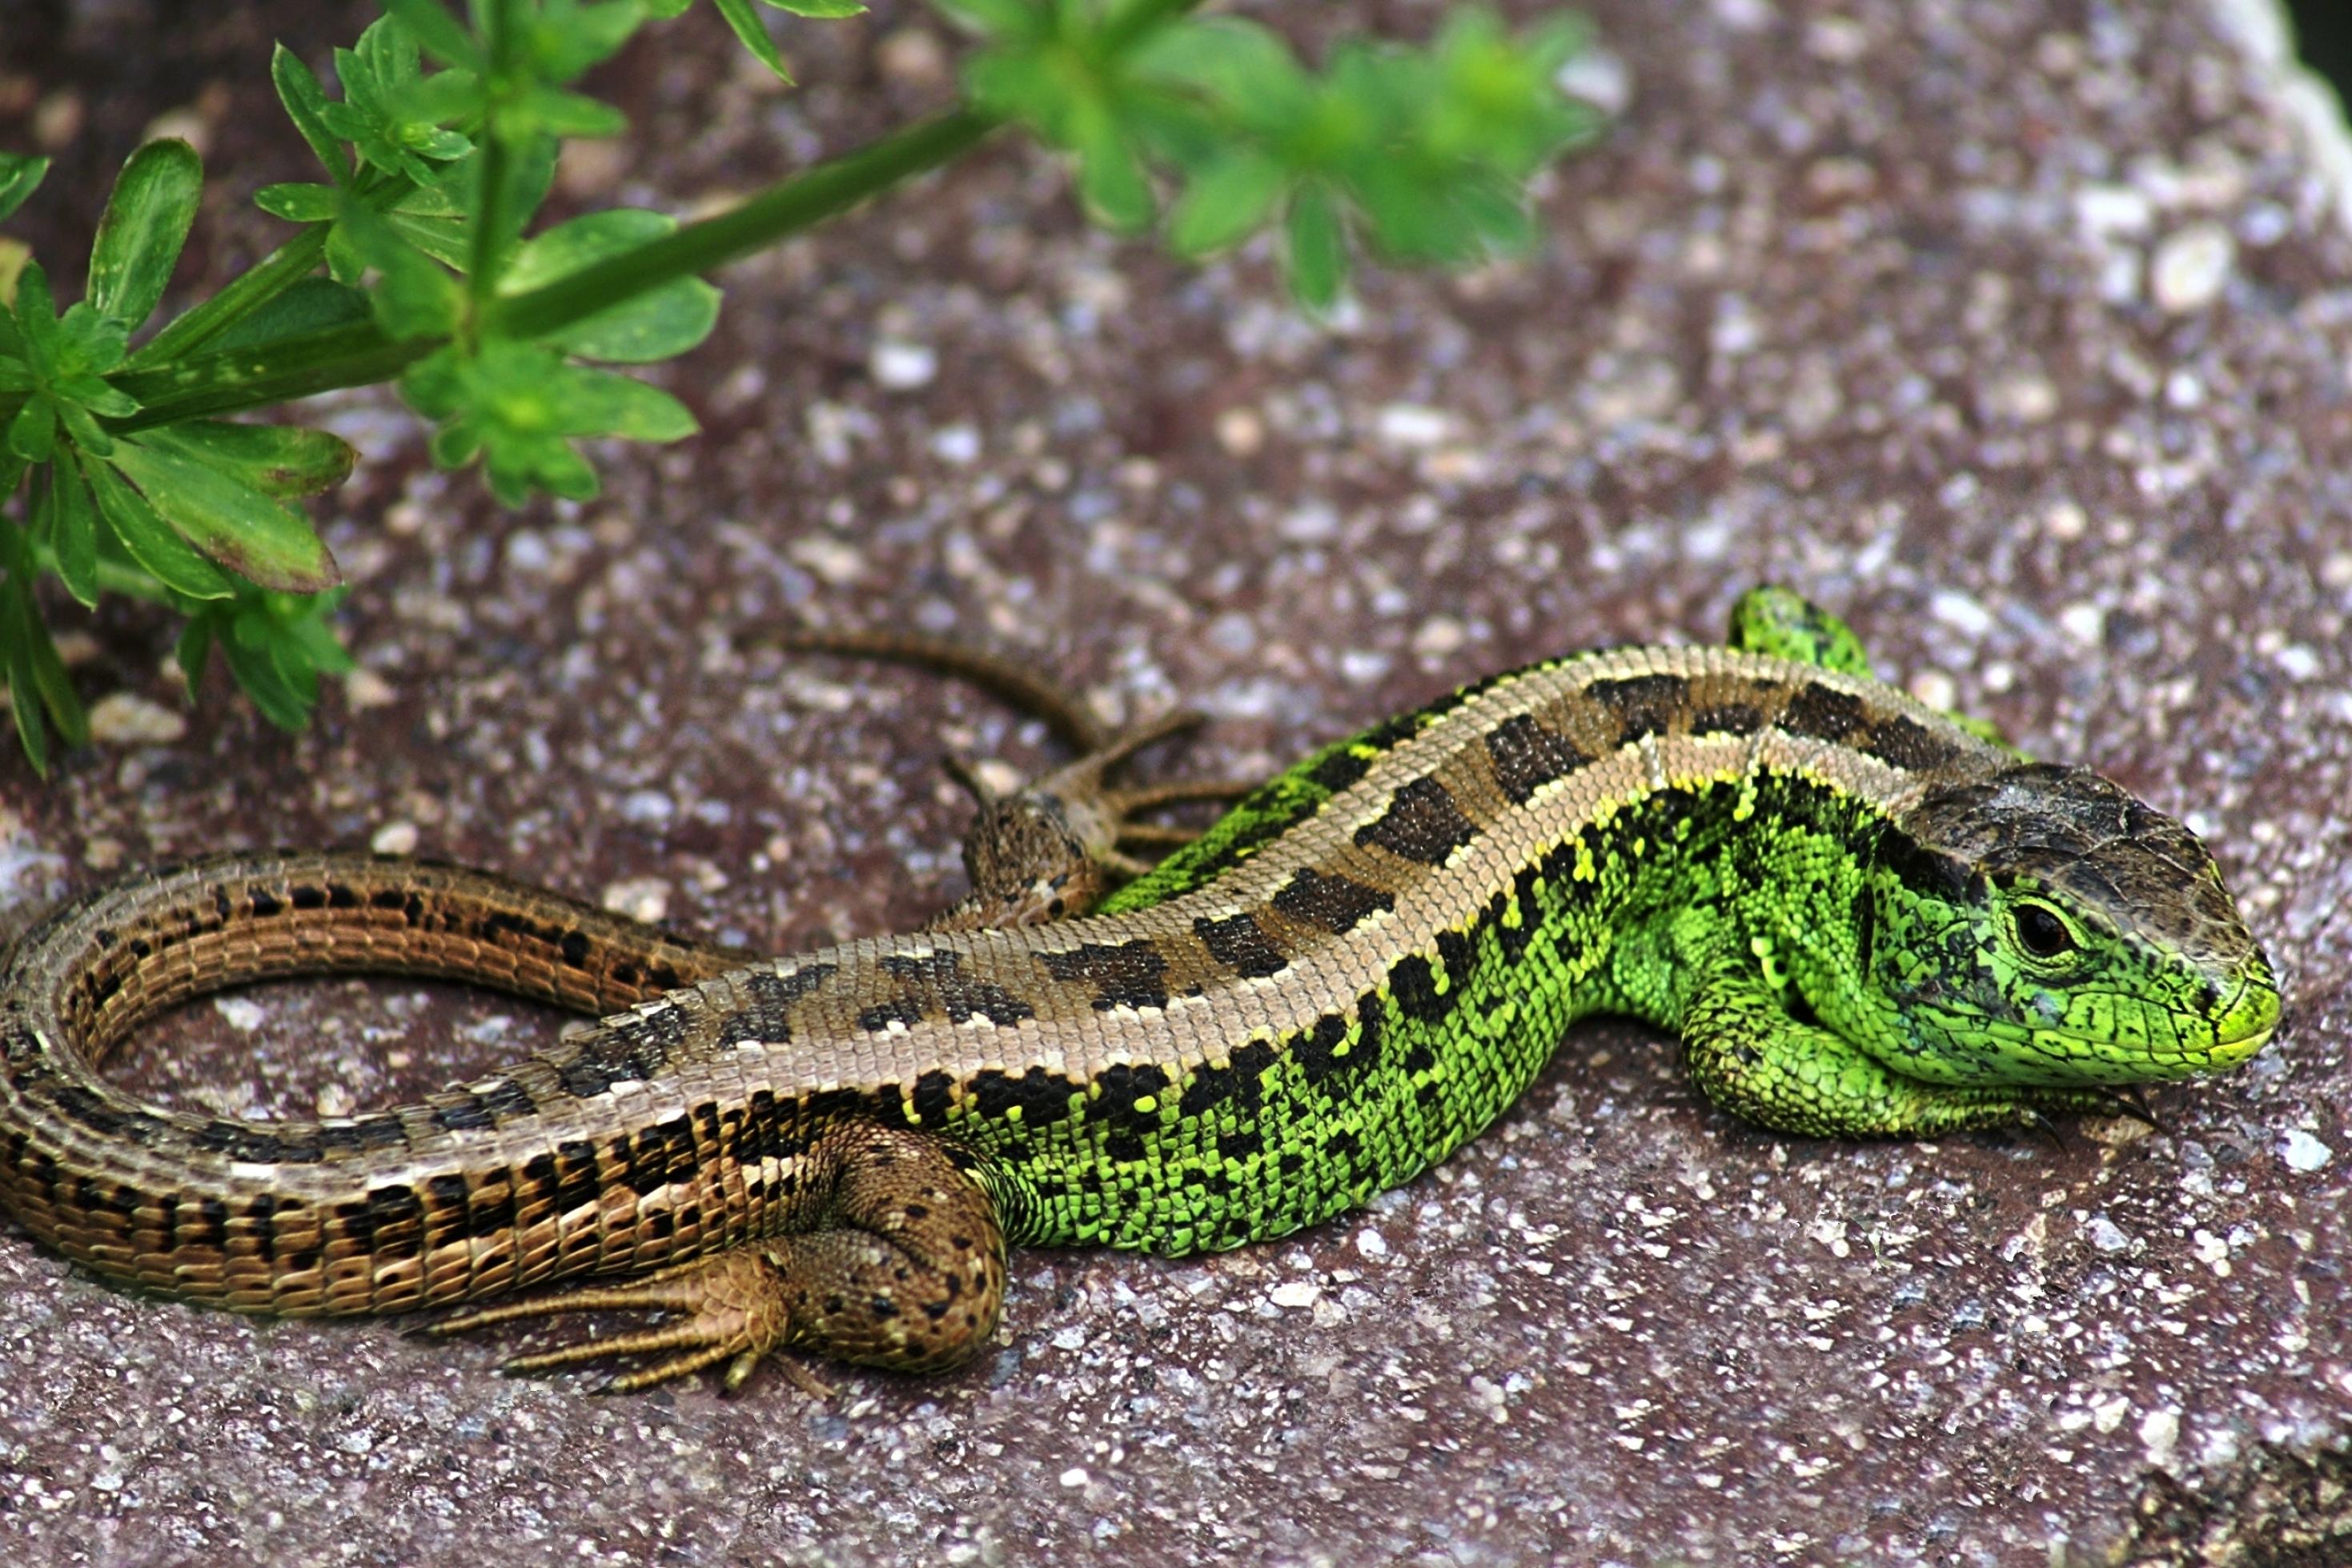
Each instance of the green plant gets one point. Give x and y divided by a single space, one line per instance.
415 260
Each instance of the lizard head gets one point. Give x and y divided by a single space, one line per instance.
2043 927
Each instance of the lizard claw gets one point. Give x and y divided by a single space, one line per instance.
730 1308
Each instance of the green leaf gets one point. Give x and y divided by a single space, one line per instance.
666 10
753 34
1110 176
605 403
1319 252
552 111
285 461
73 530
442 36
228 520
20 176
25 704
414 297
276 645
194 646
56 691
149 540
32 434
146 221
310 305
999 18
821 10
656 325
1224 203
306 105
298 203
520 406
36 314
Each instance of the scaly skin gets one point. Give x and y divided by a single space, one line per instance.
1862 918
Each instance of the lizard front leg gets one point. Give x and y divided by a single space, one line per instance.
1750 1055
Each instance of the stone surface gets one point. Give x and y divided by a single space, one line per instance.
1888 300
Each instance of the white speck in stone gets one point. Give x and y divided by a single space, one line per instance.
2066 520
394 839
2113 210
1598 76
2192 268
527 551
2183 389
240 1013
124 719
1936 689
365 689
2160 1433
2083 622
1371 1243
1232 633
2107 1235
1362 666
2211 1252
1413 424
1075 1477
1295 1293
2302 1152
957 443
1745 15
1736 330
2023 397
1840 40
1310 524
644 898
1438 635
2298 660
647 807
1960 612
1241 431
839 563
902 366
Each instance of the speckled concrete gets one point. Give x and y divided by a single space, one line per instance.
2017 330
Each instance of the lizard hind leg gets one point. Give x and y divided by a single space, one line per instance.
1784 623
900 1264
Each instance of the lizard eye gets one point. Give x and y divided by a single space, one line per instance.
2041 933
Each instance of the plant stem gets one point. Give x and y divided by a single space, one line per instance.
239 297
360 355
783 209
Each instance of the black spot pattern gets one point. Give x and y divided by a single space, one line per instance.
1039 1095
1241 945
1124 974
1642 705
1526 757
1820 713
1239 1081
1424 823
1413 981
1338 904
769 997
937 982
1904 742
616 1054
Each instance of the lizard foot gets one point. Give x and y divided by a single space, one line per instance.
731 1307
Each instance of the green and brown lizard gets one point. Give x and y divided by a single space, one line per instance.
1862 916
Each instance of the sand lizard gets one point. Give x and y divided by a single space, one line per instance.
1861 915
